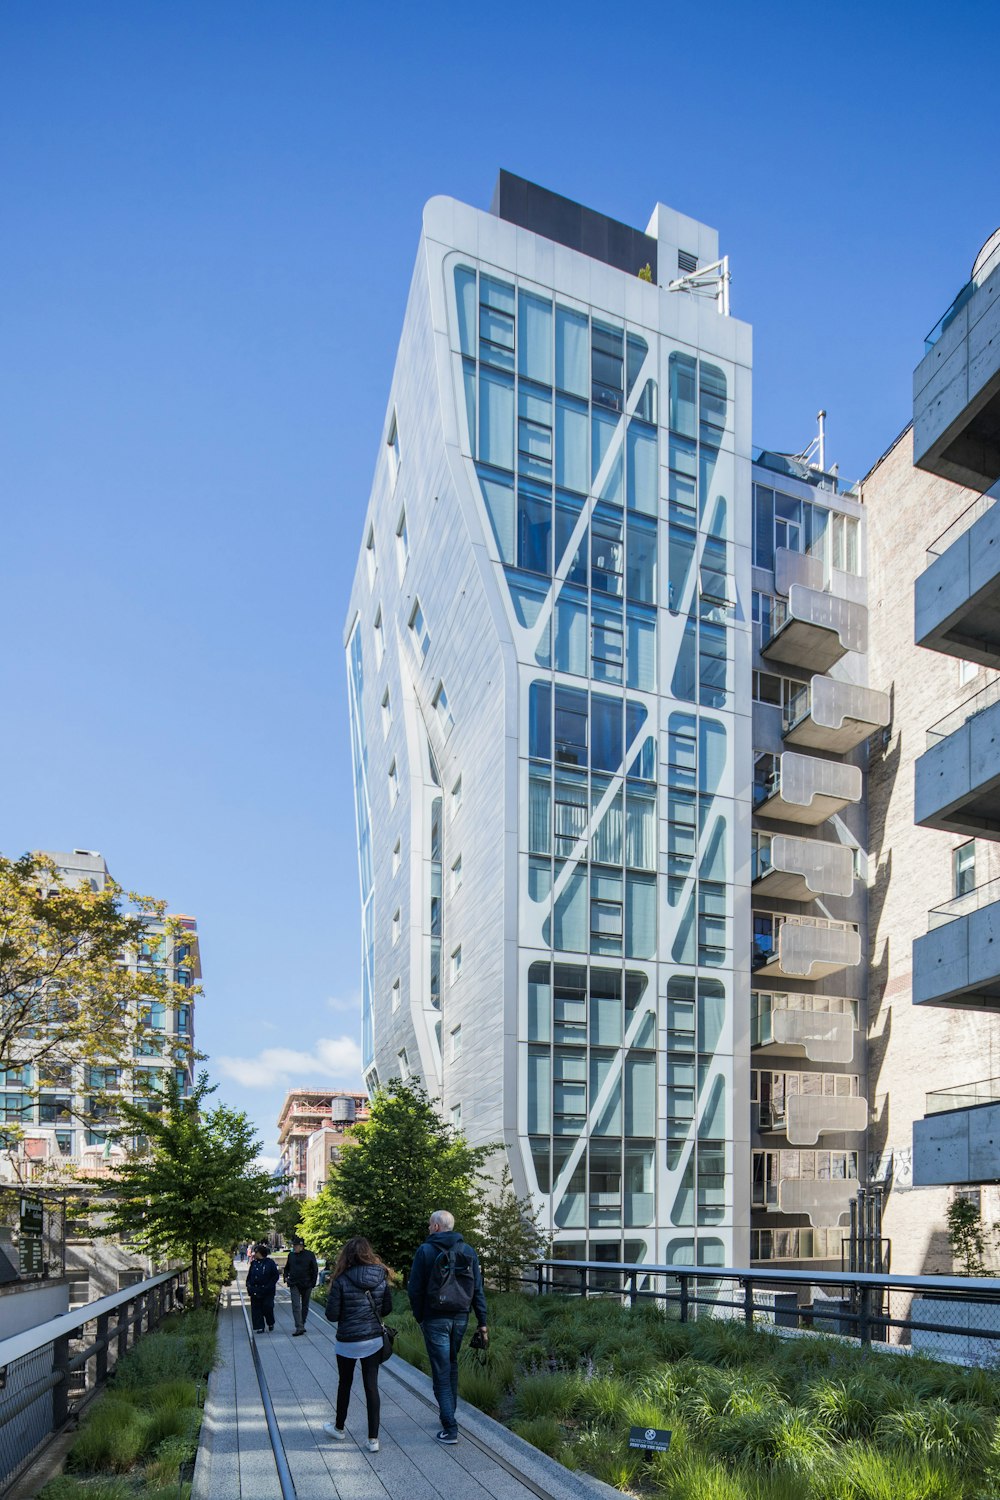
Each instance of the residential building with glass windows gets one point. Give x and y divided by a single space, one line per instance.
549 663
64 1110
813 714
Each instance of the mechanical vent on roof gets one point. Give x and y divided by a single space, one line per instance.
686 262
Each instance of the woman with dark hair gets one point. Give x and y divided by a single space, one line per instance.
358 1300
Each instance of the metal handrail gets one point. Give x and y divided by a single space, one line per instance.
285 1480
66 1324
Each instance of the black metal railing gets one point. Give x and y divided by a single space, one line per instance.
37 1367
862 1305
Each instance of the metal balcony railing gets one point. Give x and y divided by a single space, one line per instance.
962 1096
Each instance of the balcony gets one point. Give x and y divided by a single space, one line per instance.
787 867
824 1201
827 714
816 630
794 788
802 947
808 1116
957 779
957 597
957 1143
957 962
956 386
821 1027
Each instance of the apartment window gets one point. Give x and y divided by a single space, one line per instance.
392 442
967 670
393 785
456 1043
379 637
397 925
402 543
386 714
456 962
456 875
370 556
440 704
395 995
963 868
404 1064
456 1117
397 858
456 796
64 1142
418 629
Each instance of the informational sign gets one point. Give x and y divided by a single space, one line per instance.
30 1254
650 1439
31 1216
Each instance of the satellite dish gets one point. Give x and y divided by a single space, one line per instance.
986 254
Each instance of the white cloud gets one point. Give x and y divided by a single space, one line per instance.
267 1163
350 1003
332 1060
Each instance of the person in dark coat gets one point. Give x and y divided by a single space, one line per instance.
300 1275
443 1333
262 1278
359 1299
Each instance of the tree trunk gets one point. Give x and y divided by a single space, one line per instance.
195 1275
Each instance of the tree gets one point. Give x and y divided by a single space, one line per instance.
286 1217
511 1236
400 1165
196 1187
79 972
967 1236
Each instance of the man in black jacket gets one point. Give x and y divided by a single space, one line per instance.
445 1282
301 1274
262 1278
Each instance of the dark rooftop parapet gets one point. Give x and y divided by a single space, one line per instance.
557 218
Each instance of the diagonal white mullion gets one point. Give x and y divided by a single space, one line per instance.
615 1072
583 842
583 520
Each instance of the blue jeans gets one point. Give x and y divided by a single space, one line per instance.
443 1337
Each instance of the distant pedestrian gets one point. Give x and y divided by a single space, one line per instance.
262 1278
359 1299
445 1284
300 1275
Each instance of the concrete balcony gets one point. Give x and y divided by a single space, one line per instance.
824 1201
820 1027
794 788
817 629
957 779
802 947
957 597
957 962
790 868
957 1143
831 715
956 386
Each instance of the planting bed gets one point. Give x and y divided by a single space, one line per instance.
753 1416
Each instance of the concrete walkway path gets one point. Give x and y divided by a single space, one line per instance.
235 1461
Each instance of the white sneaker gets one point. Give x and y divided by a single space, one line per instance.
373 1445
334 1432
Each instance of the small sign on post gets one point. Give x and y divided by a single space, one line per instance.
649 1440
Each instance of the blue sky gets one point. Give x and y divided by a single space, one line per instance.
209 216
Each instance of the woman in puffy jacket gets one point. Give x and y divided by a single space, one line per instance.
358 1300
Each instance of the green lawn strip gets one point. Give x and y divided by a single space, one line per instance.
137 1434
754 1416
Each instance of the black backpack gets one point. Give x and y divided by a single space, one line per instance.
451 1284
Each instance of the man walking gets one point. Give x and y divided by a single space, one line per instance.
445 1283
262 1278
301 1274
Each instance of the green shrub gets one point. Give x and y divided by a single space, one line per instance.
864 1473
545 1396
176 1393
112 1438
602 1400
170 1454
849 1408
67 1488
690 1476
959 1432
542 1432
780 1437
478 1387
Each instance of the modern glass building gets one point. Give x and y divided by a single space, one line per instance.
549 661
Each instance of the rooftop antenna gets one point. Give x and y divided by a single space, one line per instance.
707 281
815 454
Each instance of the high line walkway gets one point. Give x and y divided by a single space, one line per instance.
236 1461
